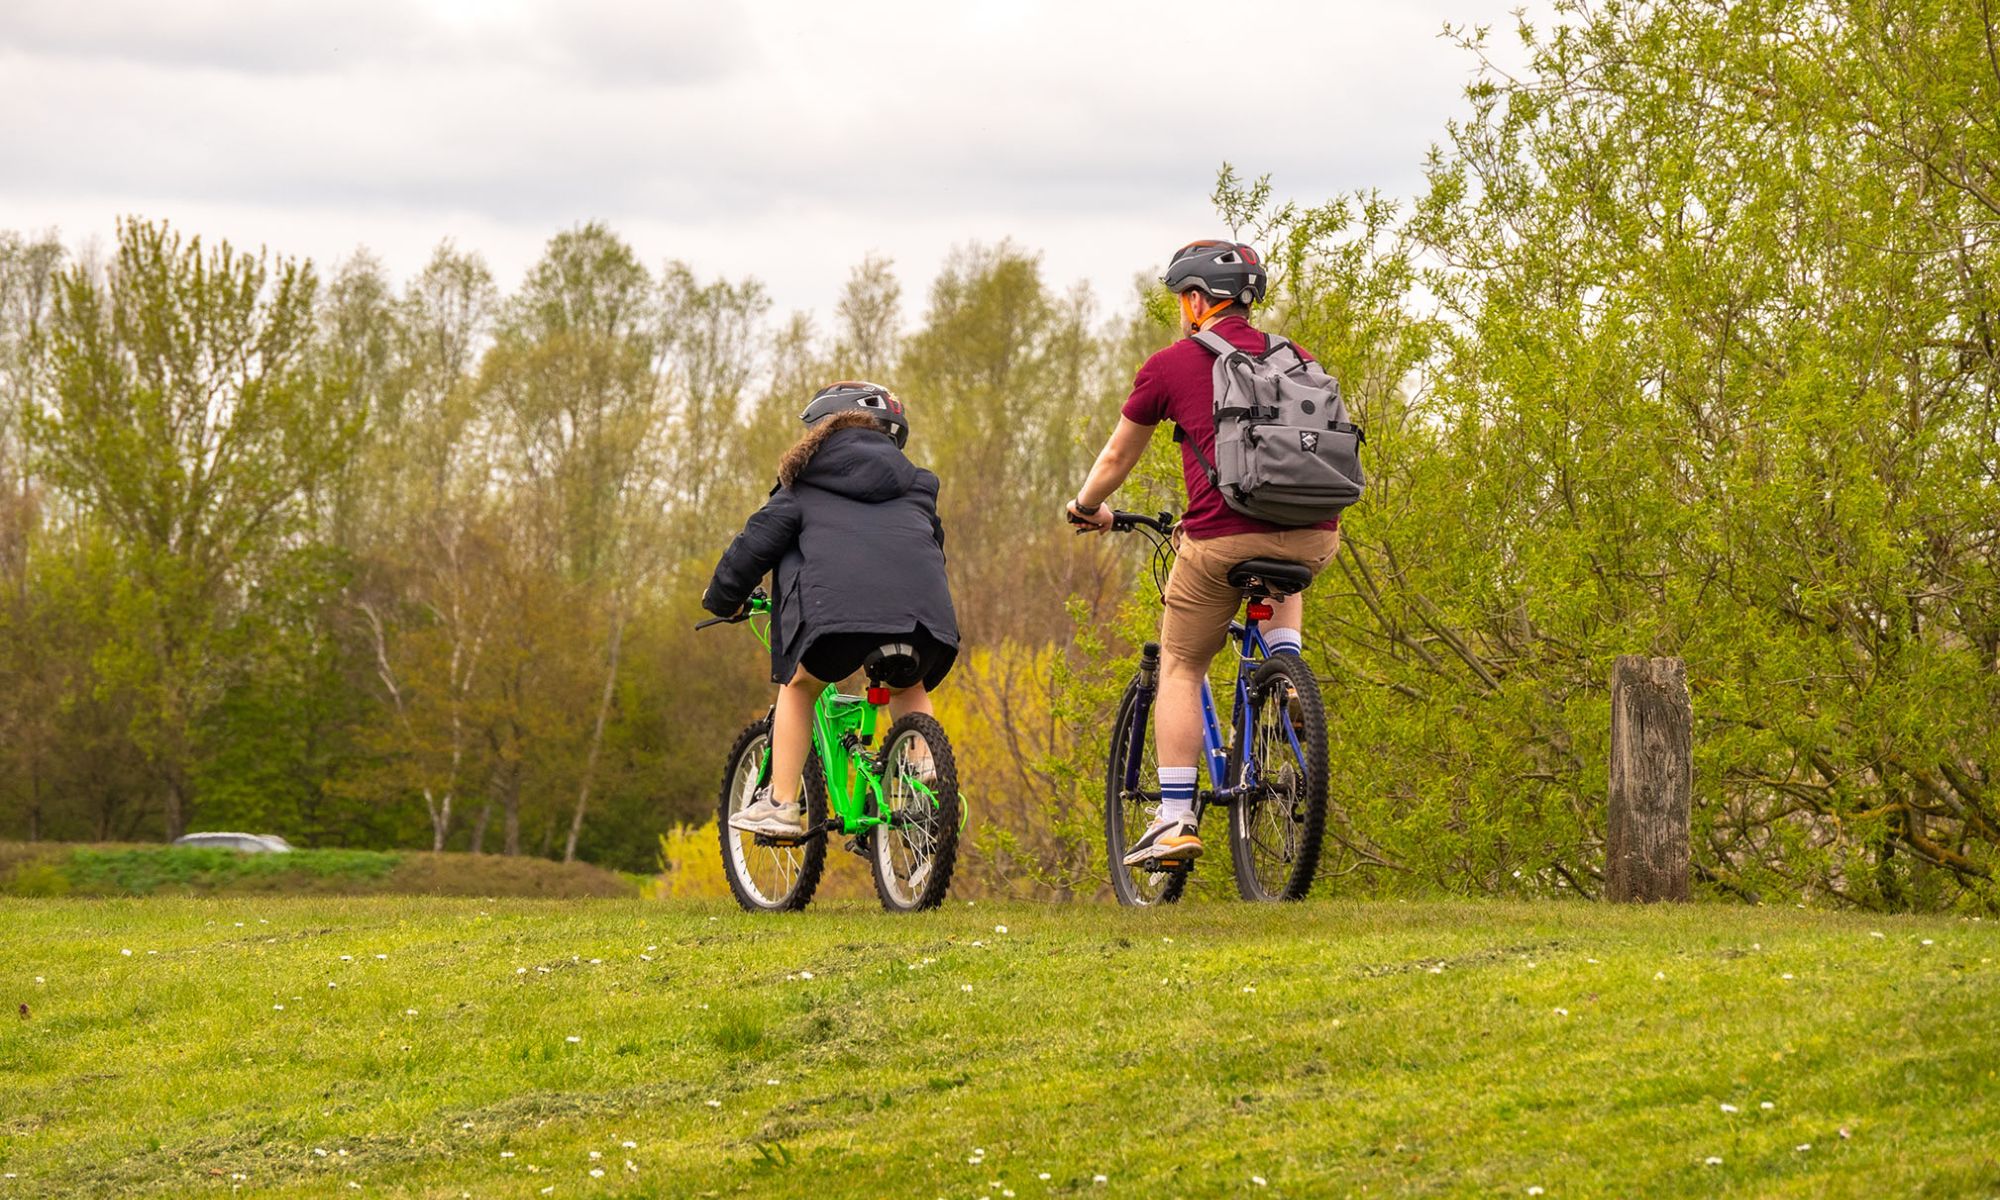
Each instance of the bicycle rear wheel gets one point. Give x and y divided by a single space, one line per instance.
913 855
1275 832
1127 812
764 875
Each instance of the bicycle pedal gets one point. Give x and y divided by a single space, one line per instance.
1166 866
857 846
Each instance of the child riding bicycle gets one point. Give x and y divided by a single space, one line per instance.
852 533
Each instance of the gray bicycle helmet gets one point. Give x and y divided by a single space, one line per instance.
1221 270
853 395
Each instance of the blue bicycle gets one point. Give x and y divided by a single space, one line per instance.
1270 775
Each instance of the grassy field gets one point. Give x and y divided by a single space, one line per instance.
316 1046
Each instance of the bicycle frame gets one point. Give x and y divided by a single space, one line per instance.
843 733
1250 654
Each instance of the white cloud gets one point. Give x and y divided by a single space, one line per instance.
216 34
779 138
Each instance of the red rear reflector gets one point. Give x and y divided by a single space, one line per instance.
1261 612
878 696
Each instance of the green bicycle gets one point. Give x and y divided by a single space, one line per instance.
898 807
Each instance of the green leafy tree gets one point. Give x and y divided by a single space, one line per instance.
429 549
579 406
190 412
1686 351
1000 379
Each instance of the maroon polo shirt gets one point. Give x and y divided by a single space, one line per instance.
1177 385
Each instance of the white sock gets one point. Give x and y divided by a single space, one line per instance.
1177 793
1285 639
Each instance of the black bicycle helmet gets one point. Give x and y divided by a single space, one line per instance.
853 395
1222 270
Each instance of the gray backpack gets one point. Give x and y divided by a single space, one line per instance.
1284 450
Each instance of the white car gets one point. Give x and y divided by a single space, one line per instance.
249 843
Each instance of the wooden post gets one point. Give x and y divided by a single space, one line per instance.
1652 781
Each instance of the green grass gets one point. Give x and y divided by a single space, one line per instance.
1330 1049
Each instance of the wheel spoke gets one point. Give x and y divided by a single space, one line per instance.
908 838
1269 820
1278 751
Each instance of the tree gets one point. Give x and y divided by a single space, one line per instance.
1711 375
870 313
579 408
427 592
27 273
713 346
1006 385
191 413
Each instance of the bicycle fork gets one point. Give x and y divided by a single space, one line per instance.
1142 712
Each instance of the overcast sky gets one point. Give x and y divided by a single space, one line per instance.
769 138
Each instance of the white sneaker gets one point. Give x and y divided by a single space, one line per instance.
1166 839
763 815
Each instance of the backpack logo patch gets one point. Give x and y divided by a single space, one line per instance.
1309 440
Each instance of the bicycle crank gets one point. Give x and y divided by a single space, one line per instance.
817 831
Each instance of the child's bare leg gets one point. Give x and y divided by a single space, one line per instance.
791 735
913 699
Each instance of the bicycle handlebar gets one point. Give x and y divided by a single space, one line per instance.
1126 522
759 602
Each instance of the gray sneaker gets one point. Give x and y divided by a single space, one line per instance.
763 815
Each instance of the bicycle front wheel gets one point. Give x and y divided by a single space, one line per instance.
766 875
1275 829
1128 811
914 853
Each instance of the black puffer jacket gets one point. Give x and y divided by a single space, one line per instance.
856 545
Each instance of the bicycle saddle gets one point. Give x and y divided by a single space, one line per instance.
893 664
1270 576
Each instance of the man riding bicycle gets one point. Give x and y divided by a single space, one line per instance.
1216 283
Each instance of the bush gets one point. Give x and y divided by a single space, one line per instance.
144 870
690 864
38 879
54 869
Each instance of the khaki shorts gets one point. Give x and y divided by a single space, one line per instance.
1200 602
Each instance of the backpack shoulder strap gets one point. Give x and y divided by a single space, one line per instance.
1207 467
1216 344
1219 346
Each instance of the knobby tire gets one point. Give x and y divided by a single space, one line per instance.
1285 871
